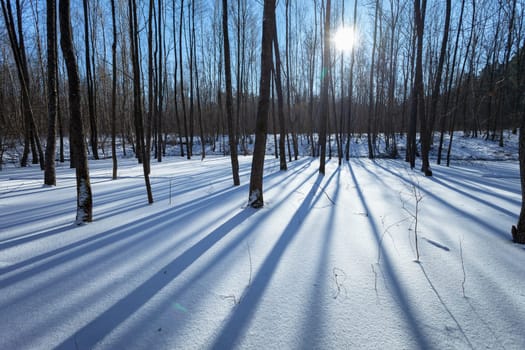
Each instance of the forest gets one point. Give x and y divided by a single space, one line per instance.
262 174
157 73
149 74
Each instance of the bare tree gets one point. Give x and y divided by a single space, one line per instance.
443 119
518 231
371 109
427 124
90 83
114 93
229 97
52 100
31 137
137 96
255 198
324 107
280 100
84 196
182 98
350 92
417 98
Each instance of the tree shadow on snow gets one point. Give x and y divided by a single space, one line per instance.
237 324
462 212
93 332
405 305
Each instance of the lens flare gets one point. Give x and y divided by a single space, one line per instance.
345 38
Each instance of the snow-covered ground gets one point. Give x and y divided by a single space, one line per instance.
328 263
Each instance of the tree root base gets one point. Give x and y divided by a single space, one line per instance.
518 236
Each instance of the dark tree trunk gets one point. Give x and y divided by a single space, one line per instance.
418 98
151 115
90 82
324 108
18 47
197 87
255 198
229 97
114 93
160 83
137 97
450 82
518 232
84 197
426 133
371 104
175 74
52 101
350 93
280 100
182 98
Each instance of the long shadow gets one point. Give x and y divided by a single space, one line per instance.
136 228
230 247
405 305
239 321
445 307
33 215
315 322
476 198
468 174
108 213
103 198
84 246
26 238
98 328
476 219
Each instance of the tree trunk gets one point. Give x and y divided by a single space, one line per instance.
114 93
90 81
324 107
84 196
371 109
18 47
137 96
160 84
426 133
229 96
418 98
183 100
255 198
450 82
151 115
280 100
52 101
175 74
518 232
350 92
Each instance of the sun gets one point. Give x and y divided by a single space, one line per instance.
345 38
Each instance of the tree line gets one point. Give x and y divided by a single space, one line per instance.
204 75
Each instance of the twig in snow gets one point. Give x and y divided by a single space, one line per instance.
327 196
170 193
385 232
249 257
415 191
231 296
375 280
462 267
338 273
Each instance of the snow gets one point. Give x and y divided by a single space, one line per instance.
328 263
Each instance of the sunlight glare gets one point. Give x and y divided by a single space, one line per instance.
345 38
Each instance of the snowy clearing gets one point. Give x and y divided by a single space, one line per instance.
328 263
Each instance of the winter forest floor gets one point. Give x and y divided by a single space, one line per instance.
328 263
